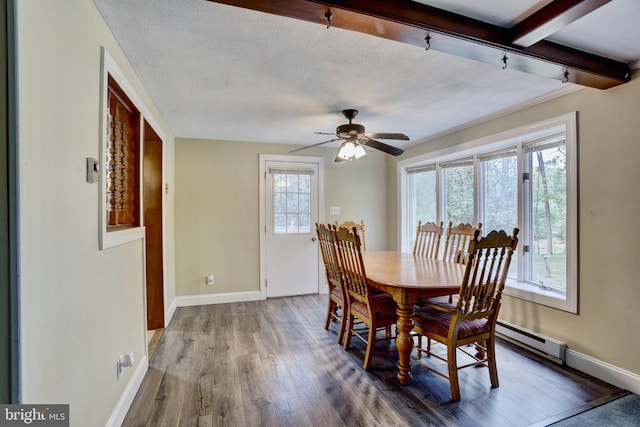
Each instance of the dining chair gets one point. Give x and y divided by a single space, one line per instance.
457 242
336 308
427 243
374 310
473 318
359 226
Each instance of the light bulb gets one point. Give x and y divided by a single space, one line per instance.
359 151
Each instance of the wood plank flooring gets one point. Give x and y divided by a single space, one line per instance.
271 363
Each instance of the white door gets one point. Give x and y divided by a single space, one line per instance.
291 211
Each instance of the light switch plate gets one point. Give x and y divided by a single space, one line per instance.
93 172
334 210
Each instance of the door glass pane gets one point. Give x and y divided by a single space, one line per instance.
458 185
279 182
303 220
280 202
291 203
292 223
292 182
280 223
304 182
549 213
304 203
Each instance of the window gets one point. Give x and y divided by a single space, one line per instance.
546 212
291 202
523 178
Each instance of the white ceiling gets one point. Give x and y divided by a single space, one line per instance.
226 73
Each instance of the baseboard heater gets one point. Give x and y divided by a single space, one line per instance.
532 341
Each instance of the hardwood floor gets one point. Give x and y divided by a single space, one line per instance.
271 363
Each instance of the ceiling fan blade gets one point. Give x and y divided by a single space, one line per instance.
314 145
382 146
325 133
401 136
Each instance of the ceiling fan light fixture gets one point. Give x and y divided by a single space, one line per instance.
354 139
350 150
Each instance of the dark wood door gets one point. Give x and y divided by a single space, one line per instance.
152 196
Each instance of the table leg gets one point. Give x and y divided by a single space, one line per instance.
404 341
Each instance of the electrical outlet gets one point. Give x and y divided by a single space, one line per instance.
124 361
210 280
128 359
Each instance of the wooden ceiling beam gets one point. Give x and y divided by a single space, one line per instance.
552 18
410 22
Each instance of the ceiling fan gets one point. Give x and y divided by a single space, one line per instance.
355 138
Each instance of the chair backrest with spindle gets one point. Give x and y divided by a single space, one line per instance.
427 243
485 274
359 227
457 242
329 255
351 264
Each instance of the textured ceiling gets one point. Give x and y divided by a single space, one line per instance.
221 72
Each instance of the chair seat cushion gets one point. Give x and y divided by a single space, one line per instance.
435 321
336 291
441 300
383 306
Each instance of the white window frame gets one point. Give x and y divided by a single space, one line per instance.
567 301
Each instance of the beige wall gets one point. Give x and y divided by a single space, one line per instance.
81 307
217 209
608 322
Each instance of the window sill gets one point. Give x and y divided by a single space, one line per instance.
109 239
535 294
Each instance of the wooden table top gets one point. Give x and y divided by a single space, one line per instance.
407 278
407 271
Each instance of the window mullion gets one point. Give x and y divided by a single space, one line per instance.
478 191
525 214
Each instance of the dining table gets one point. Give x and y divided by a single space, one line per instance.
407 278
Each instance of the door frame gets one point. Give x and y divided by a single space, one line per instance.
264 158
159 311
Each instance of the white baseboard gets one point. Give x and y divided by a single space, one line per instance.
129 393
170 312
218 298
603 371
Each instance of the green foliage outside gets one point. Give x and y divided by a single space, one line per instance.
549 192
458 183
